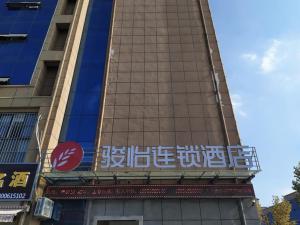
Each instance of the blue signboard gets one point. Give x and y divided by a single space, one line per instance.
16 181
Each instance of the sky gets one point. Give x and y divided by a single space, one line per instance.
259 41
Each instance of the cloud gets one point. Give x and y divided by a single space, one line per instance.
280 61
271 57
237 104
249 57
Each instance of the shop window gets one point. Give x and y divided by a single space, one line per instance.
13 37
15 5
15 133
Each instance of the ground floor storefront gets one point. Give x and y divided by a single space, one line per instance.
156 212
137 209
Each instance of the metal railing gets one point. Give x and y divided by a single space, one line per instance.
186 160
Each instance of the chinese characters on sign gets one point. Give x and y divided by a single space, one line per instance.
19 179
16 181
150 191
167 157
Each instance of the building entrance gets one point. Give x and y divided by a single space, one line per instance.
118 220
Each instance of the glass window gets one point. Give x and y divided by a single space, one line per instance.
18 57
84 101
15 133
15 5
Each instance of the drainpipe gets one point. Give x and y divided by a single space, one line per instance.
215 77
37 135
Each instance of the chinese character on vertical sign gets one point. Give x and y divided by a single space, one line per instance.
214 157
118 156
240 157
137 158
105 156
189 156
19 179
164 157
113 157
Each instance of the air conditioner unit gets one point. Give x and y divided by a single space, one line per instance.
44 208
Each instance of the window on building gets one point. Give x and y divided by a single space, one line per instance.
16 130
15 5
69 7
13 37
4 80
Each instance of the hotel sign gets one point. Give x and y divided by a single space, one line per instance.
150 191
178 157
16 181
66 156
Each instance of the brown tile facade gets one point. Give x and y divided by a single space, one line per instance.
159 84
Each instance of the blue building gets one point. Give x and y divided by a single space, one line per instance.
18 56
295 211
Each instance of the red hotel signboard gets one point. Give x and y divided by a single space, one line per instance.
150 191
66 156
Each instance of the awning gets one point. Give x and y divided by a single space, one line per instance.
8 215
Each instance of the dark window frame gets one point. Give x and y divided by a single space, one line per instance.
13 37
17 5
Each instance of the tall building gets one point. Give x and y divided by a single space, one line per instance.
139 86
